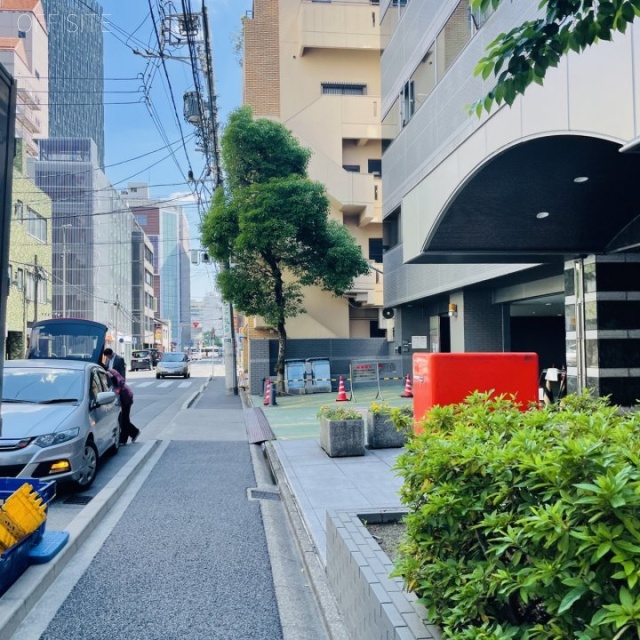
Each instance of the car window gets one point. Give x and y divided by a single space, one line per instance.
25 384
139 354
104 380
173 357
95 386
73 339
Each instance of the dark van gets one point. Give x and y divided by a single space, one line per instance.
141 360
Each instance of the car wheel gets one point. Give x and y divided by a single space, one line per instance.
89 467
186 375
157 376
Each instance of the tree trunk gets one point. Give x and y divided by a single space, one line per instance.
282 343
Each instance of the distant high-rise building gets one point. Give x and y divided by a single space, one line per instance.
76 76
168 229
92 237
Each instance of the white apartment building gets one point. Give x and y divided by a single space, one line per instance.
517 230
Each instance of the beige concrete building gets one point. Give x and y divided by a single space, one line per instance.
24 51
315 67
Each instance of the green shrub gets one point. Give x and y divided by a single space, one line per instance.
525 525
339 412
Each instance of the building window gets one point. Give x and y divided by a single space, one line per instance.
375 249
344 89
479 17
31 287
353 168
19 279
141 219
408 104
374 166
18 211
43 293
36 225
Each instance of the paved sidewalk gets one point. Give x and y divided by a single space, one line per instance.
320 483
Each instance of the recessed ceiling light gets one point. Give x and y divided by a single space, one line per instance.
580 179
542 215
547 304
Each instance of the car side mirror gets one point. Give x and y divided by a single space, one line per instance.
105 397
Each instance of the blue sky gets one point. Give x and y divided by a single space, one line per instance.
130 130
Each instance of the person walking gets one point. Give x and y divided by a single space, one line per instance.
127 428
114 361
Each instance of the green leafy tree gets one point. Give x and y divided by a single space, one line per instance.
523 55
271 225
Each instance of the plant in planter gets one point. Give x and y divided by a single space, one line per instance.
341 431
388 426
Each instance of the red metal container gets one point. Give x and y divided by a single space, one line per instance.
448 378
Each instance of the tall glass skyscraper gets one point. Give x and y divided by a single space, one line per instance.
92 231
76 71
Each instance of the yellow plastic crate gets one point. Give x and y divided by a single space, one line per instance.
24 509
7 539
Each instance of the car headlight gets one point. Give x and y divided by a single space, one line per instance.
59 437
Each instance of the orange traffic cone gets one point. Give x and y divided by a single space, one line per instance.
267 393
407 389
342 394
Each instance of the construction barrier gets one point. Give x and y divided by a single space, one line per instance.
374 372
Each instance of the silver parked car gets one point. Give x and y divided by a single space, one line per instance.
173 363
58 418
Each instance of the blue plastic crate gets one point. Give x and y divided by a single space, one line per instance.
15 560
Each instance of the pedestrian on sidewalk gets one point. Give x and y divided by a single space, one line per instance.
114 361
127 428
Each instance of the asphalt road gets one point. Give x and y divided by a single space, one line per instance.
188 552
156 402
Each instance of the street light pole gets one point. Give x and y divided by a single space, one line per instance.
64 268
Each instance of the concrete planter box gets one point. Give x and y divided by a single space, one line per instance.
382 433
374 606
342 438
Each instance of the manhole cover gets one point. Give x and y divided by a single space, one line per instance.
257 494
78 500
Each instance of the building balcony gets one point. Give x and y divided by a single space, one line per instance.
26 118
367 289
348 24
349 192
27 97
28 141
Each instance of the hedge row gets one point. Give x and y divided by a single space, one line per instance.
525 525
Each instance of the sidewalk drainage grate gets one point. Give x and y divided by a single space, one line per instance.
83 500
257 494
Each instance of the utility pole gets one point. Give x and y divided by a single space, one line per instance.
64 268
191 29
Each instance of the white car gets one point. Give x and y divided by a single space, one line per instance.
58 417
196 355
173 363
